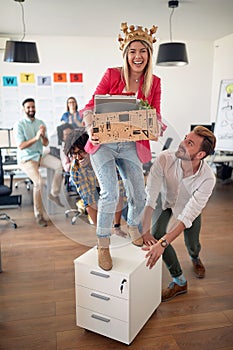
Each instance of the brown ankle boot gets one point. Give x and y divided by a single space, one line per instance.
135 236
104 257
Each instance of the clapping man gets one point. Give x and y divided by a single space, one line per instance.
30 136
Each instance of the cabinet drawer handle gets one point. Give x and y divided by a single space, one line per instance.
99 296
100 318
100 274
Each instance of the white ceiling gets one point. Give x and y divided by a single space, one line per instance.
192 20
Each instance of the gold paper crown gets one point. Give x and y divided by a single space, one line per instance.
136 33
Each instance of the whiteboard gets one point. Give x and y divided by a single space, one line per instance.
224 123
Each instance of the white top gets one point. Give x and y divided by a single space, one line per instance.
186 196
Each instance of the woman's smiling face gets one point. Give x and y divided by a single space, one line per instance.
137 56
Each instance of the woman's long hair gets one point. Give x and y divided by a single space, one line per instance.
148 73
67 104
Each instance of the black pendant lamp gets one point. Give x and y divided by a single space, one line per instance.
21 51
172 54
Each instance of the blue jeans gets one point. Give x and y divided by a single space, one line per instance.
104 161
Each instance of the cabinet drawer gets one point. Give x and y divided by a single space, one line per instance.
108 282
104 303
102 324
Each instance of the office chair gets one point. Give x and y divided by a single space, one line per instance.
146 166
5 193
80 208
6 198
4 216
72 192
70 188
76 211
28 182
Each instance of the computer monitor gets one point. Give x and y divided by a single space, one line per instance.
208 126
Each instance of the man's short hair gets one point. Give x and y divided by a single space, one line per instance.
209 140
30 99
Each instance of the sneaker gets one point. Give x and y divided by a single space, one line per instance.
56 200
173 290
198 268
41 221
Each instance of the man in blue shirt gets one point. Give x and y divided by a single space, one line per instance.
30 137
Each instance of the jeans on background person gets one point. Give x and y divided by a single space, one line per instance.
104 161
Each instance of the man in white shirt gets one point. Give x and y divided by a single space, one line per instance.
179 183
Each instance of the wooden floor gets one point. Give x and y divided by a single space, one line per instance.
37 296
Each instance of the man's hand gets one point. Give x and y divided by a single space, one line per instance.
42 130
38 135
148 239
154 253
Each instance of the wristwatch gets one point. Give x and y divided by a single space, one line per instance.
164 243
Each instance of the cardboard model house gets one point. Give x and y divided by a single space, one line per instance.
118 119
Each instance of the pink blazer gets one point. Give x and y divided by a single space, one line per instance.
112 83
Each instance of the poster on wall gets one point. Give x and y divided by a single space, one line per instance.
50 92
224 122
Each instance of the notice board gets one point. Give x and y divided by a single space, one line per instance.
224 121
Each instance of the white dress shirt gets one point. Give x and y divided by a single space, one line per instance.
186 196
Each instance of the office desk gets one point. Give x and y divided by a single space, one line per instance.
223 166
18 173
219 159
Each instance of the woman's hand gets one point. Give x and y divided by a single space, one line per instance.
88 122
94 139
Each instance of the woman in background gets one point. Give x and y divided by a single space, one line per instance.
72 116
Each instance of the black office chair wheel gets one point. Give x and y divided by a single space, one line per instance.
16 185
14 225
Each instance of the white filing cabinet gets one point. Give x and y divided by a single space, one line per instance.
116 303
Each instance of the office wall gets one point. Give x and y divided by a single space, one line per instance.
186 91
222 68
